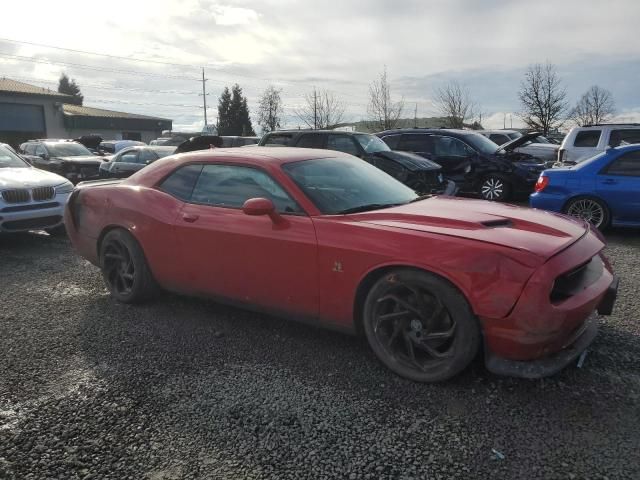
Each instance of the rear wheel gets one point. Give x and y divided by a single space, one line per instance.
495 188
125 269
420 326
590 209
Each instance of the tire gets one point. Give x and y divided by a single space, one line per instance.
124 268
495 189
591 209
58 231
397 312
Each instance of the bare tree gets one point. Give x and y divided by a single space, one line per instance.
454 102
543 98
595 106
270 109
384 113
321 109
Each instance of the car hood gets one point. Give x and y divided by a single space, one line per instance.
518 142
80 158
535 231
410 161
28 178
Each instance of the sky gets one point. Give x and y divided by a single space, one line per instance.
147 57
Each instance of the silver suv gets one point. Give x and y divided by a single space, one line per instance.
585 142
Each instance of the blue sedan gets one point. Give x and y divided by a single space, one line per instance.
604 190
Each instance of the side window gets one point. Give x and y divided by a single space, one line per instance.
416 142
627 164
278 139
392 141
342 143
310 140
146 156
129 157
498 138
451 147
180 183
587 138
40 150
627 135
30 149
231 186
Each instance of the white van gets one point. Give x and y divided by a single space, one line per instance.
584 142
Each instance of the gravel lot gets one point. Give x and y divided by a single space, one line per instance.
186 388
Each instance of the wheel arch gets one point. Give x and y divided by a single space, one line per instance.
373 275
109 228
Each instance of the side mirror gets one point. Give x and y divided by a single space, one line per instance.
259 206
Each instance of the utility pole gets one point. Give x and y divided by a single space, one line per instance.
511 117
204 99
504 121
415 116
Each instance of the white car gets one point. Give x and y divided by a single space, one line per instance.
585 142
537 146
30 198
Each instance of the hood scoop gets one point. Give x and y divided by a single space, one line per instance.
501 222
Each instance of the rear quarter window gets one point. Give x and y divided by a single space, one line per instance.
181 182
587 138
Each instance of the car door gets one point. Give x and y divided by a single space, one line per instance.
29 153
585 144
619 185
40 158
125 163
255 260
453 155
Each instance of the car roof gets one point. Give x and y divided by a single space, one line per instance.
453 131
295 131
261 154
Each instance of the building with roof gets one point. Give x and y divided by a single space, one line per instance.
28 112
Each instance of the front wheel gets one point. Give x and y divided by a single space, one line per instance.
495 189
125 269
590 209
420 326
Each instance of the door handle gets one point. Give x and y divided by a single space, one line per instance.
190 218
609 181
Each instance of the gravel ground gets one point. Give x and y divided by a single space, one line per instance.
186 388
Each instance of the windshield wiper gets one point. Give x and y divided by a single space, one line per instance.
367 207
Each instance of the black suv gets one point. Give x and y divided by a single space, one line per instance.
474 162
420 174
64 157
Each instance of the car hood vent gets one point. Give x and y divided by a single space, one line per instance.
501 222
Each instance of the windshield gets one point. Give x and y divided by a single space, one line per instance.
371 143
67 149
481 143
541 139
514 135
164 151
8 159
340 185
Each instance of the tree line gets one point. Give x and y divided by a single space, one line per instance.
544 106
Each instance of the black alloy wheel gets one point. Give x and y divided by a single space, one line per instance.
420 326
125 269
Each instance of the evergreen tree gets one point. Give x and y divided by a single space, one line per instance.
224 113
70 87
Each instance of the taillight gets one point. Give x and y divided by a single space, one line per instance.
542 183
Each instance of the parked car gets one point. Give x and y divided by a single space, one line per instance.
30 199
604 190
585 142
64 157
327 238
475 163
128 161
10 148
111 147
423 176
234 141
537 146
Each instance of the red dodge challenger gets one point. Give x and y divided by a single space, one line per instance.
325 237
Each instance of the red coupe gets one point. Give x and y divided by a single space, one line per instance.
325 237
